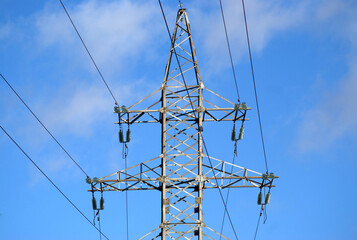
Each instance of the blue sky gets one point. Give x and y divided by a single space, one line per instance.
305 60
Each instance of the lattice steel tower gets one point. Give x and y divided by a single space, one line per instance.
183 170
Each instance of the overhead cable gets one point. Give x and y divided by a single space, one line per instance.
48 131
229 50
100 227
219 189
256 229
125 155
255 88
58 189
90 55
227 196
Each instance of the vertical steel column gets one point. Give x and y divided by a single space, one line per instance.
200 129
163 164
200 172
164 201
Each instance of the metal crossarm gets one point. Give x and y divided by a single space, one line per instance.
182 171
144 177
211 113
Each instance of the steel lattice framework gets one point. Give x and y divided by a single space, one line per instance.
183 170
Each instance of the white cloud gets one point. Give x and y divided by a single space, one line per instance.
118 31
5 30
338 18
51 164
266 19
334 117
114 31
76 109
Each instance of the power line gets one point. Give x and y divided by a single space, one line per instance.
90 55
256 229
125 155
48 131
127 213
100 227
52 182
227 197
255 91
256 101
220 192
255 88
229 50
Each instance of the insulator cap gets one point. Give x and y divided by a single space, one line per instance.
124 109
94 203
241 131
88 180
260 196
96 180
233 136
128 135
121 137
101 203
267 198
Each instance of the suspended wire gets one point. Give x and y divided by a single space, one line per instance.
255 88
227 196
127 214
229 50
53 183
100 227
90 55
265 211
256 230
60 145
94 215
125 154
257 103
220 192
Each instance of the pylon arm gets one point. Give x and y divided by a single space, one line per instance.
156 233
147 176
189 111
209 115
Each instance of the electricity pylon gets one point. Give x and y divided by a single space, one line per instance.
183 170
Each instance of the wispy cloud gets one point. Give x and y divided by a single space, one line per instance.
117 32
5 30
52 165
77 109
114 31
266 20
334 117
